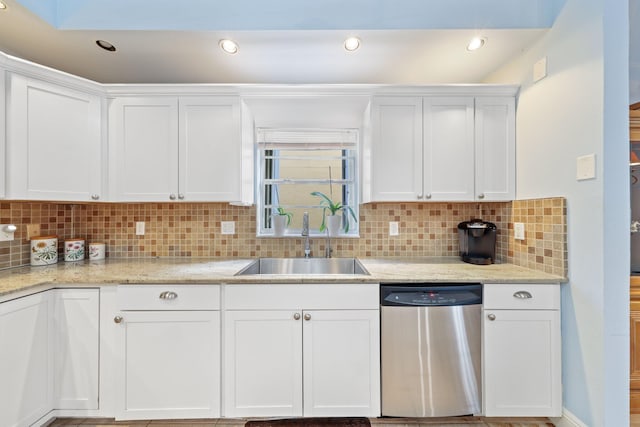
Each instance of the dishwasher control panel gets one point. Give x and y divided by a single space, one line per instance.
430 294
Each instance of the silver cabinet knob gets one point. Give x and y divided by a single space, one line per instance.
307 316
118 319
172 196
95 196
428 196
420 196
168 295
491 317
481 196
296 316
522 295
181 196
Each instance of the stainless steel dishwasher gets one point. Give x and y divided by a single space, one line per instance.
430 349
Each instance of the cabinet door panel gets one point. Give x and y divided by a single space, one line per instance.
54 142
75 359
143 136
396 152
522 363
342 363
25 356
263 363
3 161
495 148
448 148
210 150
169 365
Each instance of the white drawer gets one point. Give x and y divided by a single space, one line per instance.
168 297
302 296
521 296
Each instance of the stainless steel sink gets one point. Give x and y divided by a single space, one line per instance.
304 266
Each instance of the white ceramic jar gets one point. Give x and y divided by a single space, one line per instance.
97 251
44 250
74 249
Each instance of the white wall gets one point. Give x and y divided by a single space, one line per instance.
580 108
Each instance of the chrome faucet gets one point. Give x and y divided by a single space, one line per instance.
327 247
305 234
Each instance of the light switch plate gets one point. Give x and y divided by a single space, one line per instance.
393 228
586 167
518 230
228 227
140 228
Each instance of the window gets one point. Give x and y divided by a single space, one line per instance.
293 163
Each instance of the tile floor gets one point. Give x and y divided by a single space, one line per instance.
375 422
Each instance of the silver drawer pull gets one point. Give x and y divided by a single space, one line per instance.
118 319
168 295
491 317
296 316
522 295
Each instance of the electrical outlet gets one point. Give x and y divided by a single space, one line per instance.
140 228
518 230
228 227
393 228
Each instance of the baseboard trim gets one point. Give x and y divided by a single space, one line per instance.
568 420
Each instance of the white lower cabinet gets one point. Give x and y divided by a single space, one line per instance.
521 350
76 328
25 360
168 352
321 361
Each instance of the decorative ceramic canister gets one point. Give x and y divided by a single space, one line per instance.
97 251
74 249
44 250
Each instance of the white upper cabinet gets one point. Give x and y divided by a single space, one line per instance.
53 142
143 139
3 162
169 148
445 148
495 138
396 153
210 152
448 149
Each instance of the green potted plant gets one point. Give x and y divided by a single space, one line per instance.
280 219
332 221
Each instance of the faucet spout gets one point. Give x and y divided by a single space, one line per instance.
327 248
305 234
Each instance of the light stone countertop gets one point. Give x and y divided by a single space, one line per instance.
203 271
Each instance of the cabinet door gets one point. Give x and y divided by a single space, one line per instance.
76 344
522 363
168 364
396 151
210 149
341 363
143 144
448 149
3 133
495 148
263 363
25 360
54 142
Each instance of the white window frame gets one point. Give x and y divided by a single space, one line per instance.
283 138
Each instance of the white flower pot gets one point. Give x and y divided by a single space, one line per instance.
279 223
334 222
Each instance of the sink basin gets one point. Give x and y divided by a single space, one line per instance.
304 266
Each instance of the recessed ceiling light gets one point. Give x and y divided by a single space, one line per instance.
229 46
106 45
476 43
2 5
351 44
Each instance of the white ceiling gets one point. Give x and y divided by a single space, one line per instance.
402 54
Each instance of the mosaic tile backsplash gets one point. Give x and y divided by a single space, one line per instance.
193 230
